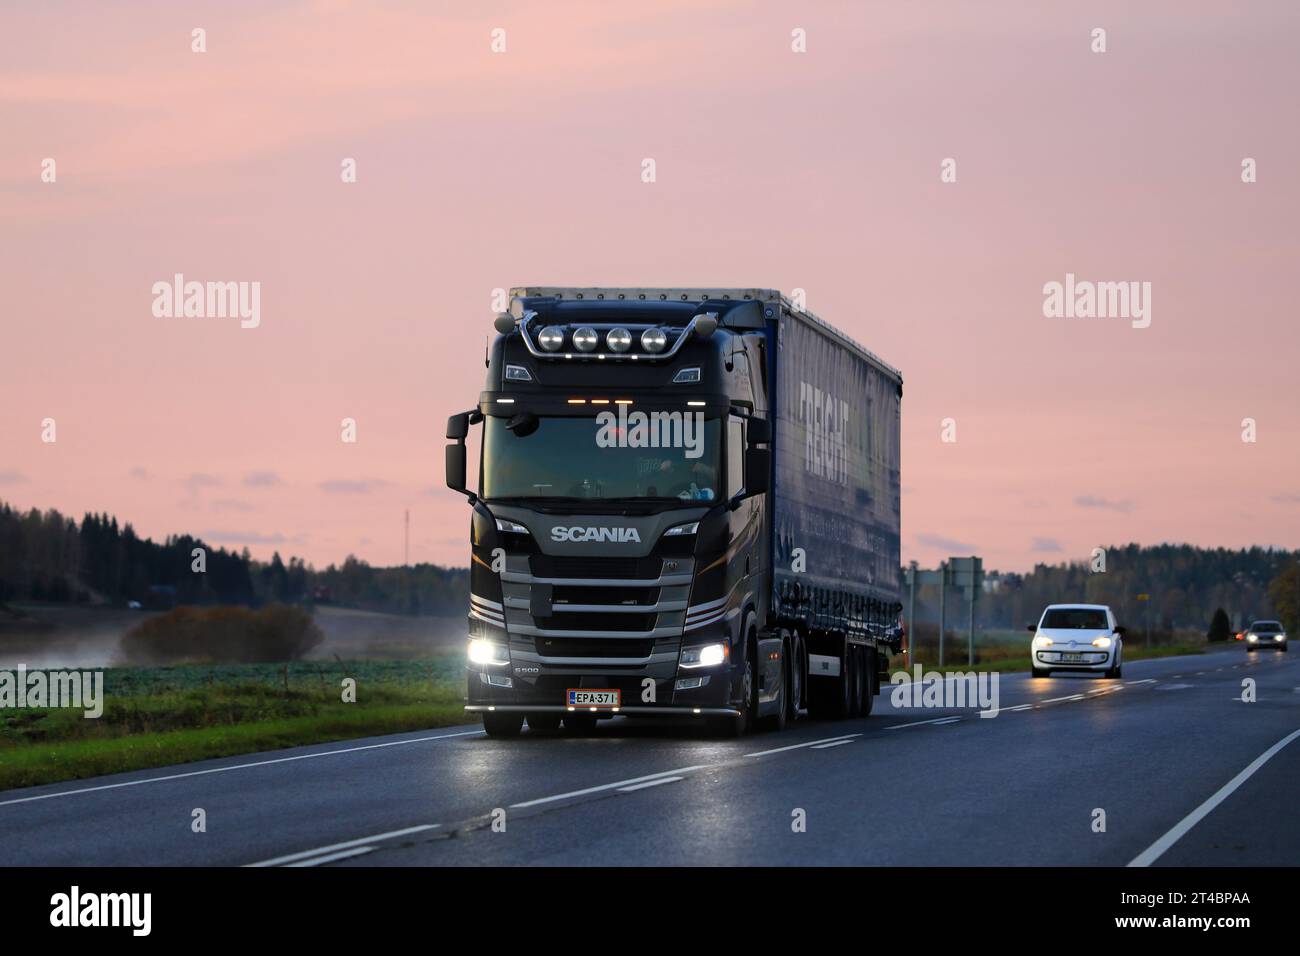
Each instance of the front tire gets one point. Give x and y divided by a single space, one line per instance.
498 723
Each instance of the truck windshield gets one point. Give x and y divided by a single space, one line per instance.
675 456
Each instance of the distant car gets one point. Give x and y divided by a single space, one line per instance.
1266 634
1077 637
133 605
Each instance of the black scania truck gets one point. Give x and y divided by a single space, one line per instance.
687 504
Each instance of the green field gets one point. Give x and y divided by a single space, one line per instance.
154 716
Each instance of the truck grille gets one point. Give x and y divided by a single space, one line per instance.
603 594
578 621
581 566
593 647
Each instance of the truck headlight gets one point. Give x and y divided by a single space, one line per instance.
707 655
514 527
487 652
690 528
653 340
551 338
1101 642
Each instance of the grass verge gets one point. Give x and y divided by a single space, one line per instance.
169 715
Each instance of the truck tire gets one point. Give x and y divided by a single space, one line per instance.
500 723
798 674
777 721
739 725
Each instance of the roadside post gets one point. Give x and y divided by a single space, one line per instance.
968 574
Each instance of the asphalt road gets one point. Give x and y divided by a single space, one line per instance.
1171 754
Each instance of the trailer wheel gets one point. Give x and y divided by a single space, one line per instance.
499 723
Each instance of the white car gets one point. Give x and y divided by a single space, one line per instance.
1268 634
1077 637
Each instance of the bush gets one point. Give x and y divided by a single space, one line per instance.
223 635
1220 628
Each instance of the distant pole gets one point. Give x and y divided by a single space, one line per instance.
406 560
943 590
911 615
970 646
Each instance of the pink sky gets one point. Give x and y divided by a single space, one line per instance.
819 171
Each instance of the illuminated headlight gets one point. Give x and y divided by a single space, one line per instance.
1252 638
709 655
487 652
619 340
1041 641
1280 637
551 338
585 339
682 529
514 527
1101 642
653 340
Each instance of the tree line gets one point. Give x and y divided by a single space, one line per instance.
47 556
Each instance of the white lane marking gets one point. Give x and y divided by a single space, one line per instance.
1157 849
811 743
918 723
330 858
346 844
241 766
607 786
1020 707
833 743
1057 700
1149 680
649 783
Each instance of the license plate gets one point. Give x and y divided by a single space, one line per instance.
592 697
1072 658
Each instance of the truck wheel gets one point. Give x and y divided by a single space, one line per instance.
544 722
737 726
777 721
794 699
499 723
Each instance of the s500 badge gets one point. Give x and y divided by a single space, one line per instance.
519 669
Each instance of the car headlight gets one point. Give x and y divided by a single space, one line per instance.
1252 637
707 655
1042 641
487 652
514 527
1101 642
690 528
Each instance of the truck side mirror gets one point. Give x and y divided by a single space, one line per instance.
760 431
458 427
758 465
456 468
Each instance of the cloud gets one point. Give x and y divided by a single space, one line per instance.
197 480
951 545
230 504
340 486
1287 498
261 479
1091 501
138 473
12 478
1045 544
